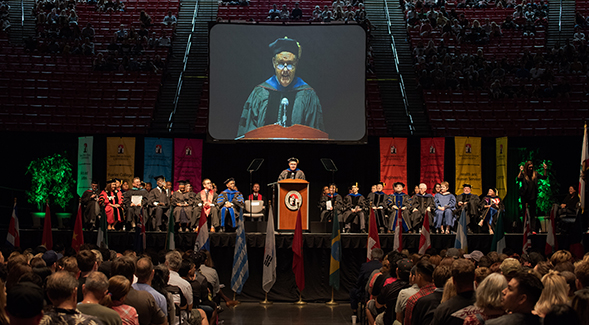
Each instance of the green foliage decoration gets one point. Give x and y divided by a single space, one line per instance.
51 180
547 188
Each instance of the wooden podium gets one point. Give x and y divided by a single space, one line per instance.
277 132
291 193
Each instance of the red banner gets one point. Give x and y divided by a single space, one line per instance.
188 162
393 162
432 161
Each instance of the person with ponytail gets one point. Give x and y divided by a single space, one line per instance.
118 288
95 291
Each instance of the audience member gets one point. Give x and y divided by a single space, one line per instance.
61 289
520 297
95 289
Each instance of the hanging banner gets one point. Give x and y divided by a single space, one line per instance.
393 162
501 163
84 164
468 164
432 162
120 158
188 162
158 159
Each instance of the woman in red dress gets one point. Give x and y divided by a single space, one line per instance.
113 201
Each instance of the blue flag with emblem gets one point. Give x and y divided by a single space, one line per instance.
240 271
336 253
461 239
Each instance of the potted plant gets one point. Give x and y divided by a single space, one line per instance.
52 181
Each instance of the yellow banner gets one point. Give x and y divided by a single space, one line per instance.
120 158
468 164
501 163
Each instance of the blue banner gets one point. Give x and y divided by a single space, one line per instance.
158 159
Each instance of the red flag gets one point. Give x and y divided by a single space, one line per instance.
298 265
373 239
551 243
78 236
47 240
424 239
13 236
527 232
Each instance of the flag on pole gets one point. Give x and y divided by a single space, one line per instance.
13 236
47 239
102 240
551 243
336 253
398 229
527 232
373 239
499 236
298 264
140 240
461 241
170 240
584 165
269 274
424 240
202 238
240 271
78 236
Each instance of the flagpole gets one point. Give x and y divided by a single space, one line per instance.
266 302
237 302
331 302
300 302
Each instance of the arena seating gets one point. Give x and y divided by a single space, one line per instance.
55 93
258 9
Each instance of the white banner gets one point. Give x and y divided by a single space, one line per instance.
84 164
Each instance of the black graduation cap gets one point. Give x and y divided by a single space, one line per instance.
118 180
399 183
380 183
94 182
466 185
285 45
158 177
112 180
182 182
293 159
230 179
354 184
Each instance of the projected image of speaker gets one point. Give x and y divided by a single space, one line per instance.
274 82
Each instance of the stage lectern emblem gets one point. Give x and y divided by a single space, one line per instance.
293 200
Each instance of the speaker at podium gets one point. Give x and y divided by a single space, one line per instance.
293 194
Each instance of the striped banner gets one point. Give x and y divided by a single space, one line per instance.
240 271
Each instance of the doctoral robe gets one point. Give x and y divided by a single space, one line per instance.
352 201
157 211
399 200
380 203
133 212
421 203
263 105
182 214
444 217
90 207
291 174
113 214
235 198
337 203
211 210
471 205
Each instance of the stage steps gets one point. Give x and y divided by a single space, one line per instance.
20 29
195 74
399 122
560 33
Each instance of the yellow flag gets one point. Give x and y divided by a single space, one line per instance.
501 163
120 158
468 164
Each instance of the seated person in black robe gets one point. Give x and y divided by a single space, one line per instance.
420 203
330 203
159 204
379 203
90 205
354 207
570 203
134 201
283 99
292 172
400 202
469 202
182 203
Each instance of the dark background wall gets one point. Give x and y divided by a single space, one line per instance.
356 163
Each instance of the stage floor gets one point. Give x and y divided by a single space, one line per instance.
287 314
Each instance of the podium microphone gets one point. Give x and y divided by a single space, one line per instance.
283 107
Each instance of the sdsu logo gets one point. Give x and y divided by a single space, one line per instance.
293 200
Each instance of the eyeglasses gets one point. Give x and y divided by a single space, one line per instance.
288 66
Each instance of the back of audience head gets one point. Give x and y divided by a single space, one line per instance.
562 314
86 261
61 286
510 267
185 268
15 273
580 304
97 284
441 275
490 292
118 288
404 267
571 280
173 260
377 254
555 292
463 275
480 274
161 275
124 266
449 290
24 304
561 256
144 270
582 274
424 273
70 264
